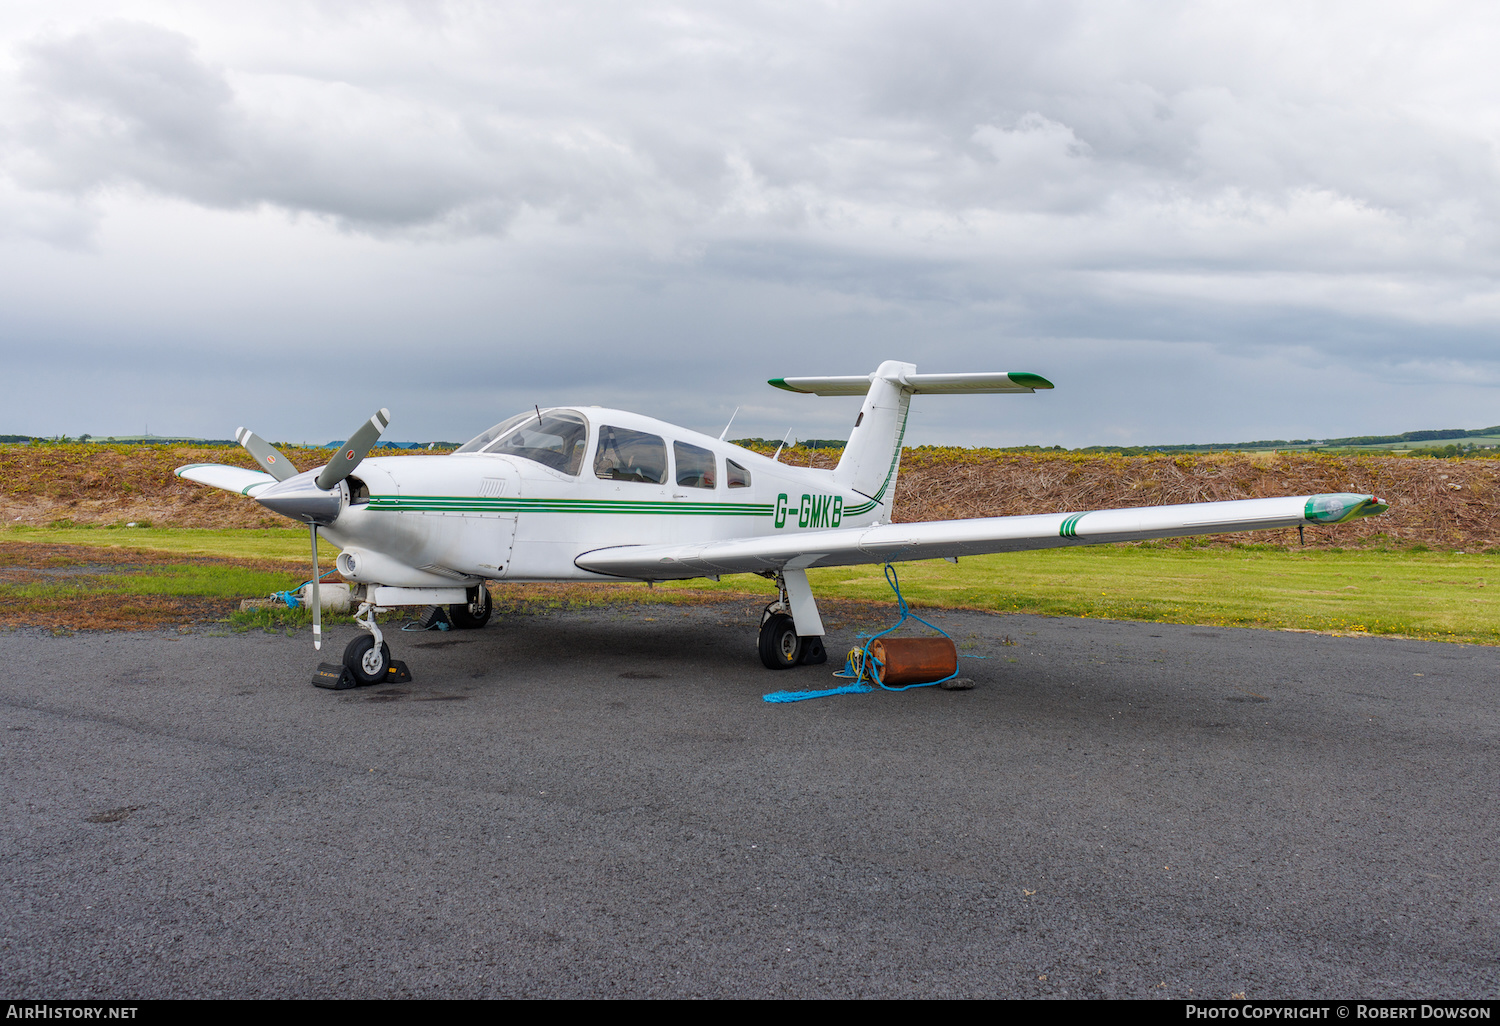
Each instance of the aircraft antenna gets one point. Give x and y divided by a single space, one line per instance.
538 413
733 415
783 442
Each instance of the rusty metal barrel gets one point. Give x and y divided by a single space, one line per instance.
914 660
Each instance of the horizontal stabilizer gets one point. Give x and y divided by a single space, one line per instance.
937 539
920 384
231 479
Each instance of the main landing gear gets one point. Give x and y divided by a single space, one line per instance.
781 645
473 614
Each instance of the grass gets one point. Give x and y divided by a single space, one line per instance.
1421 594
182 580
68 587
1438 596
277 543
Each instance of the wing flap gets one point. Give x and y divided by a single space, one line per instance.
979 536
231 479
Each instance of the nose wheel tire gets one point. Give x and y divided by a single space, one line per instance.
780 647
472 614
369 664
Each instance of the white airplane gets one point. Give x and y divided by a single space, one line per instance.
591 494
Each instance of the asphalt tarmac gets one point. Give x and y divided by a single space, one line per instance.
600 804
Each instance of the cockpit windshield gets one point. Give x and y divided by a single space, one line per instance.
553 438
484 438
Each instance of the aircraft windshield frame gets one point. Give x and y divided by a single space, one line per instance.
557 439
484 438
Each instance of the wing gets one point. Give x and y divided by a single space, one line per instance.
951 538
231 479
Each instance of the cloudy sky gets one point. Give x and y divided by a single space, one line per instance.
1203 221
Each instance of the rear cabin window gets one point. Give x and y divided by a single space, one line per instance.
695 466
738 476
626 455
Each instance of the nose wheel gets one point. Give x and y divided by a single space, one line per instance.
370 663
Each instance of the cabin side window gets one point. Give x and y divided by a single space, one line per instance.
738 476
695 466
626 455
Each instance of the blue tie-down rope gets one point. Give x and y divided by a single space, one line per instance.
290 597
869 668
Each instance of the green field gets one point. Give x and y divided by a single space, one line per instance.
230 543
1433 595
1429 595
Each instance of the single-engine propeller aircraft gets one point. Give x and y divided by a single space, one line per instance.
591 494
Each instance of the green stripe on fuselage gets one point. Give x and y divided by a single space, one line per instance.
466 504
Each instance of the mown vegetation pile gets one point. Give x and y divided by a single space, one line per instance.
1438 503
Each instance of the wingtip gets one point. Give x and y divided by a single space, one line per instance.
1029 380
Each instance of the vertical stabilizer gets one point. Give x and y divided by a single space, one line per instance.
873 455
872 458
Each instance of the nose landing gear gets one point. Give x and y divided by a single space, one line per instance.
367 659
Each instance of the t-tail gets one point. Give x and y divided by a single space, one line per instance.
872 459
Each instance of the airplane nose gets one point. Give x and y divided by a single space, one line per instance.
300 498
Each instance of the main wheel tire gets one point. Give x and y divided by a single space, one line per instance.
470 615
780 647
368 664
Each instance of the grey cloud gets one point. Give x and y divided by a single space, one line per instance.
127 101
709 125
1261 183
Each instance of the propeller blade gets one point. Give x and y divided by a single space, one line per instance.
317 603
354 450
267 455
